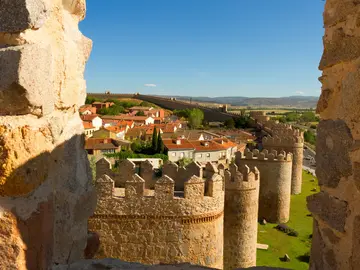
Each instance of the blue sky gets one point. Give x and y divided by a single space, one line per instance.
249 48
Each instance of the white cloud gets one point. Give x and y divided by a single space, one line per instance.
299 93
149 85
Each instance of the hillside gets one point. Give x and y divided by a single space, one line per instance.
291 101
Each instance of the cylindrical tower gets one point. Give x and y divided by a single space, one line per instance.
240 218
292 141
275 184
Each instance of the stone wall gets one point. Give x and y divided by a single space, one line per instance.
336 209
241 216
45 179
275 182
162 228
181 174
292 141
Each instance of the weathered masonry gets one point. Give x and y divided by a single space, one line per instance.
161 227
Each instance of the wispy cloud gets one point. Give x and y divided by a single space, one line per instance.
299 93
149 85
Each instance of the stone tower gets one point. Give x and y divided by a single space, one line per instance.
240 217
289 140
275 184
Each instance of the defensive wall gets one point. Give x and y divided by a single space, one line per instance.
126 169
292 141
163 227
210 114
241 217
275 182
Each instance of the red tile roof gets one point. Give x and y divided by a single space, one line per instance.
171 144
88 117
87 125
101 144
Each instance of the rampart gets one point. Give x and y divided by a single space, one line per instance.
241 217
275 183
289 140
126 169
181 174
163 227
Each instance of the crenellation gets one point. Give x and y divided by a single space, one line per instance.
104 187
194 188
164 188
135 187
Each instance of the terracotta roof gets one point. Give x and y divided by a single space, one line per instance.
115 129
101 144
225 142
87 125
171 144
88 117
125 117
204 146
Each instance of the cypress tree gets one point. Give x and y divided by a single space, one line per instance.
154 142
160 144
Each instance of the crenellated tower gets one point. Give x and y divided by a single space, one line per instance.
241 216
275 185
289 140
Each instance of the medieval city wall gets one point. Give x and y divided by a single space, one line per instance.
162 228
292 141
241 217
275 182
181 174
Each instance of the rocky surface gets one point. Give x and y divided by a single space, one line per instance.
46 196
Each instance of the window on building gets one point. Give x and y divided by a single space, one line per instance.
208 155
200 155
173 154
182 154
108 151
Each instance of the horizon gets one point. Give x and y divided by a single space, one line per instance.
200 47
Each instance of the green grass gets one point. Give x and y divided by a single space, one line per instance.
279 242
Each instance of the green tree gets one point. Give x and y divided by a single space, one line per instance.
242 122
309 137
229 123
160 144
196 118
308 117
154 142
140 113
90 100
184 161
292 117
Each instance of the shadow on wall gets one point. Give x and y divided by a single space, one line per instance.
45 204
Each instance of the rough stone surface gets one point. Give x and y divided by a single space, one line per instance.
275 185
334 141
24 89
329 209
20 15
46 196
160 228
240 219
114 264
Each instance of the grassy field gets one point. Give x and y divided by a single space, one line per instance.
280 243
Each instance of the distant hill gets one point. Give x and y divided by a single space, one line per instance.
290 102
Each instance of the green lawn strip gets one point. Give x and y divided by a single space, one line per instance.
279 242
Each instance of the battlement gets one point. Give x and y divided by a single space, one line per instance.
286 139
264 155
193 197
241 178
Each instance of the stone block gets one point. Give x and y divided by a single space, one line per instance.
23 151
339 48
330 209
26 80
19 15
337 11
334 141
